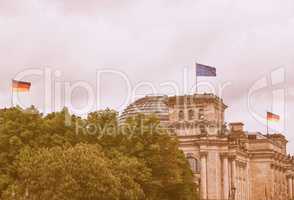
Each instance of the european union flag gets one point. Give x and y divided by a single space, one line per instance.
204 70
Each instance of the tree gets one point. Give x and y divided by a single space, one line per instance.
82 172
59 155
171 174
143 138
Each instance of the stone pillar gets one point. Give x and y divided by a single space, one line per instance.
226 183
203 188
234 174
248 182
241 181
290 187
237 182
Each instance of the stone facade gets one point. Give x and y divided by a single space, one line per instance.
228 162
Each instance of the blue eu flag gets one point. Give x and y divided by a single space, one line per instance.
204 70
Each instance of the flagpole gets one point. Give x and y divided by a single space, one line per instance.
196 81
267 128
11 92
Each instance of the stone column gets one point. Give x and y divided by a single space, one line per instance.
292 178
237 181
203 188
234 173
226 184
241 181
247 181
290 187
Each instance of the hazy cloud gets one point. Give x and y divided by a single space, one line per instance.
151 41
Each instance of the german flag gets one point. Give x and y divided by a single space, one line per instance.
20 86
273 117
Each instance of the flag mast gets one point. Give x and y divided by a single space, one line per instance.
267 122
12 100
196 81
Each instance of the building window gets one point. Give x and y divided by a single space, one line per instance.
203 129
191 114
194 164
181 115
201 114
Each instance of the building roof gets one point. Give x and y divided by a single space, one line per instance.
148 105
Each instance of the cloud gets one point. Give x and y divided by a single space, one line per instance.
150 41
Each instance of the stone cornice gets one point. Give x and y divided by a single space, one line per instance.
232 156
224 155
241 163
203 153
196 100
279 167
193 124
290 176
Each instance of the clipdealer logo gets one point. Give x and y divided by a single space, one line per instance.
272 85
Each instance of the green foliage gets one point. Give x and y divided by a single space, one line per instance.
79 172
61 156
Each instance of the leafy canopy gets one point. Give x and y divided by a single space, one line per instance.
62 156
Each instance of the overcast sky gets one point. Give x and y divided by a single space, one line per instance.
155 41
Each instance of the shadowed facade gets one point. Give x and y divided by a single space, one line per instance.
228 162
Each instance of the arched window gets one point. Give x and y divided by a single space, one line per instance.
201 114
181 115
194 164
202 129
191 114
